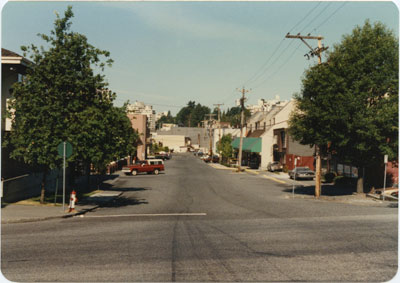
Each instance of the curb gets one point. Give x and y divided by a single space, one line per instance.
37 219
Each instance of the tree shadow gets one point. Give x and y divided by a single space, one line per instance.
112 201
123 201
110 187
326 190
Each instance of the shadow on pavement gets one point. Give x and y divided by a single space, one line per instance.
123 201
110 187
112 201
326 190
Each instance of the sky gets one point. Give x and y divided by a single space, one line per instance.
171 52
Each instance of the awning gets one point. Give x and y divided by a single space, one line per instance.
249 144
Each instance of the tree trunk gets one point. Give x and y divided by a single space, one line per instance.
43 190
360 181
88 176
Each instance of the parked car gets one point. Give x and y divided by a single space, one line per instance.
301 173
215 159
144 166
274 166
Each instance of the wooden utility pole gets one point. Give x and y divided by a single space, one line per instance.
314 52
210 125
219 126
241 128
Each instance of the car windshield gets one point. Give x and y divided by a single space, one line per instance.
303 169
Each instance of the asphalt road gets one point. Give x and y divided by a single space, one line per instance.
198 223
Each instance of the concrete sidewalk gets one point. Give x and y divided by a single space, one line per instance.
25 211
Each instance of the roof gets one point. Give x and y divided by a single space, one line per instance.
255 134
12 58
8 53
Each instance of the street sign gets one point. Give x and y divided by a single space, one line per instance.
386 159
68 149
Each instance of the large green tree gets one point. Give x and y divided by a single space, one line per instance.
63 99
349 105
192 114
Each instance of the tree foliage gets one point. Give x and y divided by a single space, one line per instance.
350 103
192 114
225 146
165 119
232 115
62 99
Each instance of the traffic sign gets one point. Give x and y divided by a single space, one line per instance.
68 149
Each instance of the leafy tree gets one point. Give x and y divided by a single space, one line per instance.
232 115
192 114
351 103
63 99
225 146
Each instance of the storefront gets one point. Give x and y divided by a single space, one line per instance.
251 149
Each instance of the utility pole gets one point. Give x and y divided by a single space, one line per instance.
241 127
219 125
314 52
210 124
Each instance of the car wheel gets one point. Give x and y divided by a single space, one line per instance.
134 172
156 171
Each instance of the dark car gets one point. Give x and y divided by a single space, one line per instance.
215 159
301 173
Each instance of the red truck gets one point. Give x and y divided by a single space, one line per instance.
144 166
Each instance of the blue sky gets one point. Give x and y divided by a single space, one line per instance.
167 53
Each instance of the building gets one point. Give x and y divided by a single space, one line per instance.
144 109
139 124
198 138
13 67
267 140
161 114
175 143
264 105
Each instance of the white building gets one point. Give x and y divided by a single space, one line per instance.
161 114
144 109
266 105
177 143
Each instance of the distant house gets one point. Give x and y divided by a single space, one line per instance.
13 68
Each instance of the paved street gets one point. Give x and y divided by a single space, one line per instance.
197 223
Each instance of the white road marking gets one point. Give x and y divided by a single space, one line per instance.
148 215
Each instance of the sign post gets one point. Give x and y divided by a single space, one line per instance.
65 150
294 175
384 176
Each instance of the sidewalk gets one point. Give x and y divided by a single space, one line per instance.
305 188
24 211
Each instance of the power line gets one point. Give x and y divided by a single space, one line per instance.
323 22
279 68
316 17
257 74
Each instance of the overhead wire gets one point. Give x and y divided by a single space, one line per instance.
263 68
291 55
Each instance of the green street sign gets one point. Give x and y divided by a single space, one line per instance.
68 149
